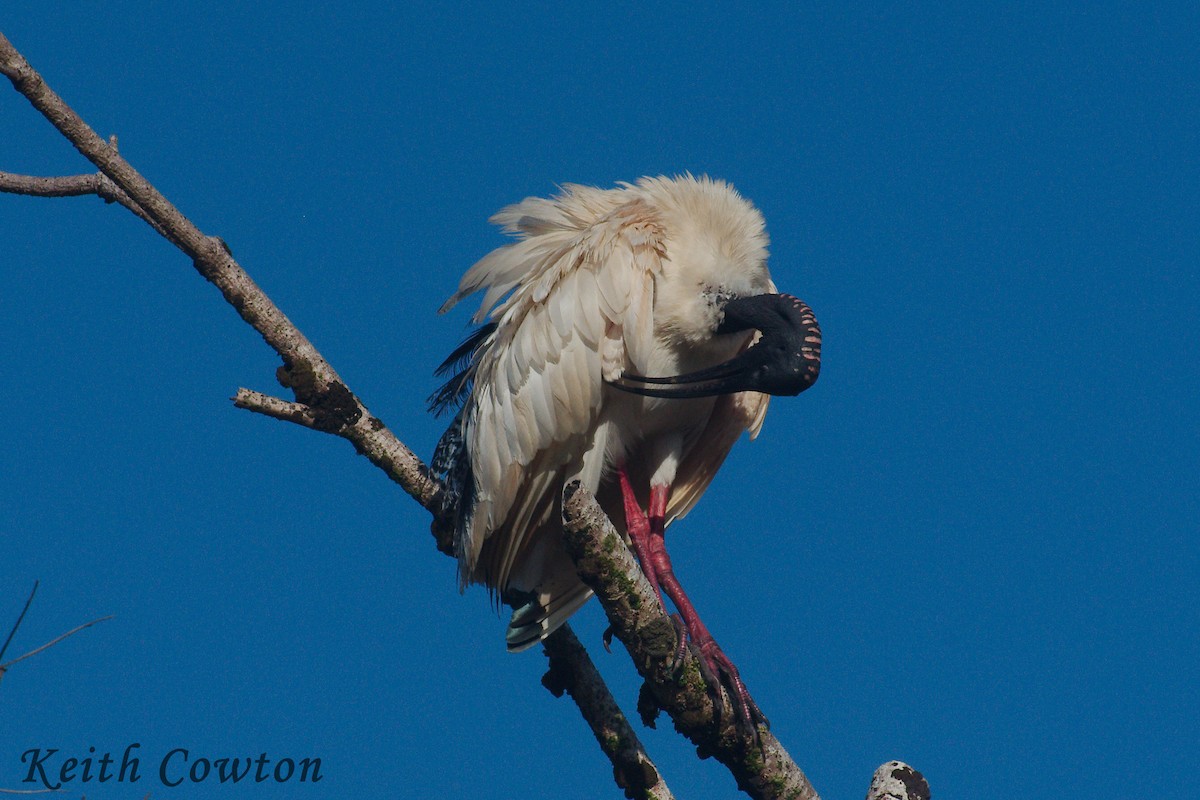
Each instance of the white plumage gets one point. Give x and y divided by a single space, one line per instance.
599 284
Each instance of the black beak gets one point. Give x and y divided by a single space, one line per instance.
786 360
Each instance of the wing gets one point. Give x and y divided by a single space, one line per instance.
582 292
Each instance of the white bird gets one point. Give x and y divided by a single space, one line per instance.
665 277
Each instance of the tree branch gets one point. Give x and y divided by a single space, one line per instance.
4 667
896 780
27 791
572 671
20 619
275 407
97 183
65 186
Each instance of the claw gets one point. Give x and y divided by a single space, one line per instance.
681 642
719 671
606 638
712 681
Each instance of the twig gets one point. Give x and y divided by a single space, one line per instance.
4 667
62 186
275 407
20 617
29 791
97 183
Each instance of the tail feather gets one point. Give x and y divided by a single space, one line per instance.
542 616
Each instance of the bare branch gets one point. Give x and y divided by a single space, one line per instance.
28 602
4 667
896 780
275 407
20 618
98 184
64 186
572 671
28 791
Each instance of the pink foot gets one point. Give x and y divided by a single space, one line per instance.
717 668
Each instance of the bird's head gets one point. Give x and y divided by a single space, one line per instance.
714 283
714 249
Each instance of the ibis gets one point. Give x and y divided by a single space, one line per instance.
628 337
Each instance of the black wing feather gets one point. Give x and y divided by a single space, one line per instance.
460 365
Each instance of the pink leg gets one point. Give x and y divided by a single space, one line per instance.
711 655
639 532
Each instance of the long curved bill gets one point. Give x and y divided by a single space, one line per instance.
786 360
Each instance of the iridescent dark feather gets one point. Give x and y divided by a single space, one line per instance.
452 466
451 461
461 363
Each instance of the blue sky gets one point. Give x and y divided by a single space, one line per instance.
972 546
